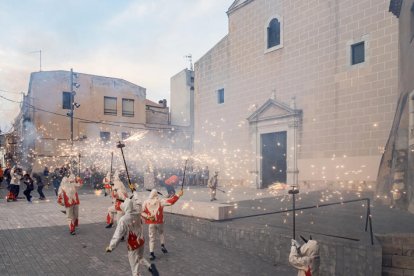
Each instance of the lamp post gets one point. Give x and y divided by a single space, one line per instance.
73 104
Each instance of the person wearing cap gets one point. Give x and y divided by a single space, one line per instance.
68 197
130 225
169 184
212 184
118 194
153 213
305 258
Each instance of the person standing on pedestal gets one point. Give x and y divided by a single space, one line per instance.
212 184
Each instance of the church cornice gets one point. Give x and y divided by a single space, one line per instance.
284 111
237 5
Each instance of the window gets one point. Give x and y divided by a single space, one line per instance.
220 96
105 136
273 33
127 107
110 106
125 135
66 100
357 53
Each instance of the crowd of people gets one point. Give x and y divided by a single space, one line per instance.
15 179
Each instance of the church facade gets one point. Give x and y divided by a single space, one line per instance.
299 92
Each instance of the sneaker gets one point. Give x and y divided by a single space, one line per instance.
153 270
109 225
163 249
73 233
152 256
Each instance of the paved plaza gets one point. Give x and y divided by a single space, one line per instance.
35 240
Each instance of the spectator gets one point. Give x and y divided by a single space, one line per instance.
16 177
29 186
205 175
87 177
1 175
7 175
56 179
40 185
46 175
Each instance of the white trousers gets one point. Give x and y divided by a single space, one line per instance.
72 215
153 229
112 213
136 258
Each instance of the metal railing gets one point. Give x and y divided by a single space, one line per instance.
368 219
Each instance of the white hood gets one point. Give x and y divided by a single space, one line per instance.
68 185
132 205
153 194
153 203
118 185
311 248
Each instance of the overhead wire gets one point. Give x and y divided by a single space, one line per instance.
111 123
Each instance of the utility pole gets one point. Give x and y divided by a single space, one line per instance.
72 100
73 104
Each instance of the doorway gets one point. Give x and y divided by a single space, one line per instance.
273 149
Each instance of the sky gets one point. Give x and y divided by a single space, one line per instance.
142 41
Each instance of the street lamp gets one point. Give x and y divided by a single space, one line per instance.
72 101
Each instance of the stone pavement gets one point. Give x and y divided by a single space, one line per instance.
34 240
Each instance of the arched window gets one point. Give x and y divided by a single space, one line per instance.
273 33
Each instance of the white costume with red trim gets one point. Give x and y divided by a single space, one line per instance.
130 225
153 212
107 183
306 258
68 197
118 194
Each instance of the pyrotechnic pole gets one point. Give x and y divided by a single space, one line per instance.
293 192
185 168
110 172
121 146
79 164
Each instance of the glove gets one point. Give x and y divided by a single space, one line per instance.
295 243
108 250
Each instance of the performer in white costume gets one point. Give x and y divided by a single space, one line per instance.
130 225
153 213
68 197
118 194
